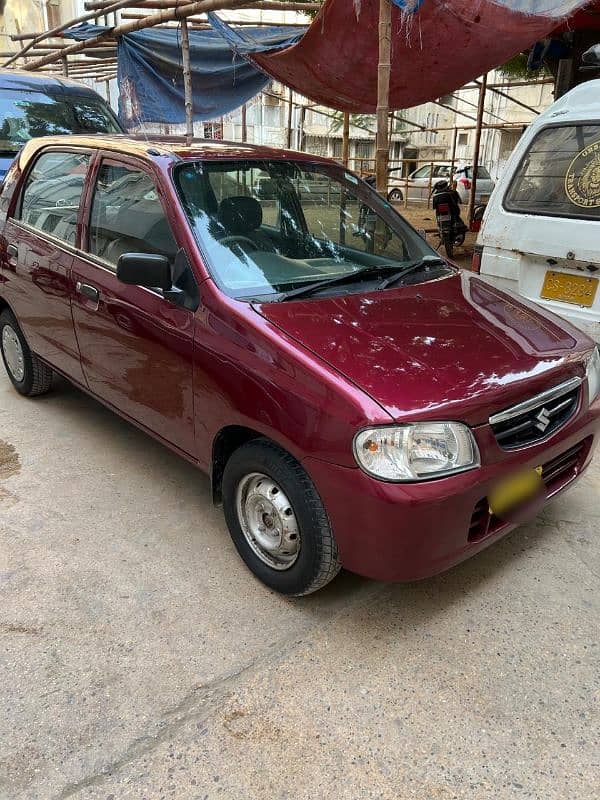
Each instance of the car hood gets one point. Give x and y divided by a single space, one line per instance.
454 348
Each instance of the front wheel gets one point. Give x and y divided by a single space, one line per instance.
277 520
28 374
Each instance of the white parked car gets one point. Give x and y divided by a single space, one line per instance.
420 181
541 232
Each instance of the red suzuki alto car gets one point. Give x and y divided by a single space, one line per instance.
357 400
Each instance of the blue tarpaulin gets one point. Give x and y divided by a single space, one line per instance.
150 76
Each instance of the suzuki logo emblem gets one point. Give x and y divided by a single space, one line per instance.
543 420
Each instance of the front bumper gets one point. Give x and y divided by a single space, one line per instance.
405 532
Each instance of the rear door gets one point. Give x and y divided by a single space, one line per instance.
136 347
542 229
40 240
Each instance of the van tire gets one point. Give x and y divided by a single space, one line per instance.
36 377
317 561
395 196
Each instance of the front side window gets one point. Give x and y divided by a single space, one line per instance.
559 175
423 172
127 215
327 224
24 115
52 194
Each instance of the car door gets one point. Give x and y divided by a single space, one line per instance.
136 346
418 183
41 237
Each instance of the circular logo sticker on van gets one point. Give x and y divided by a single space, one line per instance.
582 181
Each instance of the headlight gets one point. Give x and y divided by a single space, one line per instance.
593 374
417 451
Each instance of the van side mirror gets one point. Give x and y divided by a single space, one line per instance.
145 269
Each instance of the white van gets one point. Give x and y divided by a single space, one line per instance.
541 231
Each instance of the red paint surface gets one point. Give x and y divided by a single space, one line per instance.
440 49
307 374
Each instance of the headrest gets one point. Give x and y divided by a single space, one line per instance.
240 215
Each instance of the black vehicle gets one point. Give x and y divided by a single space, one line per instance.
38 105
446 202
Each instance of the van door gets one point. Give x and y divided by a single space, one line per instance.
541 233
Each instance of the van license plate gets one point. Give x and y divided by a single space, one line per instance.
576 289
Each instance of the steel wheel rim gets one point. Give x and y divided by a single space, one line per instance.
13 353
268 521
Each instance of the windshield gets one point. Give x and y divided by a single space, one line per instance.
24 115
269 227
481 173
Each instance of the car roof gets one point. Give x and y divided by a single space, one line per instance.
21 80
154 147
582 102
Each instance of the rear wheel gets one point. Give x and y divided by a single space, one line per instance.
28 374
277 520
448 245
395 196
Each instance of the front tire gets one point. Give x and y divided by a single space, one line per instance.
277 520
28 374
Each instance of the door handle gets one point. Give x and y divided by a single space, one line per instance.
12 250
88 291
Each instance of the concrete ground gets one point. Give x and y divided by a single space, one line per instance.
140 659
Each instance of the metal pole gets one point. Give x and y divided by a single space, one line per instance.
187 83
383 95
480 110
346 139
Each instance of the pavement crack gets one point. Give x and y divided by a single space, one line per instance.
199 703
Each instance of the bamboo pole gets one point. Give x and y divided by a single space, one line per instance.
244 123
262 5
453 160
60 28
179 12
383 94
288 137
346 139
508 97
477 146
187 83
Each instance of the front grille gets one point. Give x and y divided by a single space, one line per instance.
556 474
537 418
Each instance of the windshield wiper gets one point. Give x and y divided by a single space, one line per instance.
409 268
349 277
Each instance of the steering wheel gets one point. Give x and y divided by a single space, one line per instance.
238 240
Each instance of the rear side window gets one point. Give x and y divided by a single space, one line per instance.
128 216
52 194
559 175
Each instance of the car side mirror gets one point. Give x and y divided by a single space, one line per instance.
145 269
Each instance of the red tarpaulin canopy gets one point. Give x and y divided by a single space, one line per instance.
436 48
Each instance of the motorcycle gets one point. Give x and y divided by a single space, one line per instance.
451 228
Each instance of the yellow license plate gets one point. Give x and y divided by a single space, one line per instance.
576 289
513 491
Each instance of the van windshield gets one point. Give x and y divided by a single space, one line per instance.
24 115
270 227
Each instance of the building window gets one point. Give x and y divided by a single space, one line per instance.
364 149
53 13
463 139
336 148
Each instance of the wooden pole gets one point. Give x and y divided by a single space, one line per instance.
477 146
288 138
65 66
453 160
346 139
383 95
301 127
60 28
244 123
180 12
187 83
